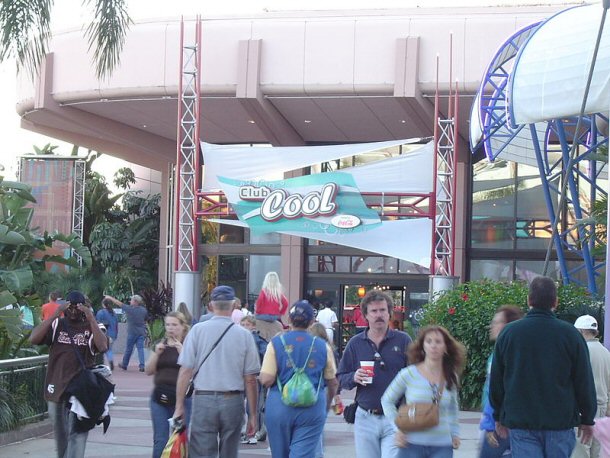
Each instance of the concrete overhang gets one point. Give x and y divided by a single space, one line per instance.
284 79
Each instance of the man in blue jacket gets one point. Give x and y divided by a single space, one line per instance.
541 384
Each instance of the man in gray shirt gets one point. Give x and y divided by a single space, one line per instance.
136 314
230 369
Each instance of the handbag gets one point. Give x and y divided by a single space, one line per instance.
165 395
190 389
349 413
419 416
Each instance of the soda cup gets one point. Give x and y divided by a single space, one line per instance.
369 367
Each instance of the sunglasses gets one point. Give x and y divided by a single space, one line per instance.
377 357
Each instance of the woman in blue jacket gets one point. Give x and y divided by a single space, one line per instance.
492 445
108 318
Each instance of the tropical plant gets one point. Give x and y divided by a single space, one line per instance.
467 310
158 301
22 256
26 30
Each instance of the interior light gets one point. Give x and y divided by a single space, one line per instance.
307 121
251 121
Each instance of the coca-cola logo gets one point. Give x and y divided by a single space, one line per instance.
277 204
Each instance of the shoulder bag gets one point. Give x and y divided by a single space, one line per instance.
191 386
419 416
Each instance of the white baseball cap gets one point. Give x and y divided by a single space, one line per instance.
586 322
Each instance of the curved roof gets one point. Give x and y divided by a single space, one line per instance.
550 74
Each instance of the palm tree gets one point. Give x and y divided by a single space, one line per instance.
25 31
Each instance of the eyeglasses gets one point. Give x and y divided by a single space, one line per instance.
377 357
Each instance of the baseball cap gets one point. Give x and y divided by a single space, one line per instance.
223 293
75 297
301 313
586 322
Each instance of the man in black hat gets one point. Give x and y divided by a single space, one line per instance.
76 333
224 361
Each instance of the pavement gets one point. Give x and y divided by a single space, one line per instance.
130 432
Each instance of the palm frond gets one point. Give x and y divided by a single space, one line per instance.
24 31
106 34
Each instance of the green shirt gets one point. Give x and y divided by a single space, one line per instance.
541 376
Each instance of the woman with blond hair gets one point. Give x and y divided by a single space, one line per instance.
270 306
437 360
163 364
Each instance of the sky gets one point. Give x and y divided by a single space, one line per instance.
68 14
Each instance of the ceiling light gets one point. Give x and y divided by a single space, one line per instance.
402 121
251 121
144 126
307 121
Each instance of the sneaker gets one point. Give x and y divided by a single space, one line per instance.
122 367
248 440
260 436
141 369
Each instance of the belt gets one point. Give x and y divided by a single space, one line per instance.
378 412
219 393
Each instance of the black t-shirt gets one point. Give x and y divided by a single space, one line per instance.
64 364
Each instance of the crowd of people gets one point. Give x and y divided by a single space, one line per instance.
234 377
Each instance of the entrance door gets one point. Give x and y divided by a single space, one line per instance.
350 316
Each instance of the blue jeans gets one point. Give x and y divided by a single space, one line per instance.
138 341
533 443
374 436
215 426
294 432
426 451
487 451
159 415
69 443
109 355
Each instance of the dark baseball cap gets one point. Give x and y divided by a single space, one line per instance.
75 297
223 293
301 313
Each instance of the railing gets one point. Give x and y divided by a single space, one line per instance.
23 378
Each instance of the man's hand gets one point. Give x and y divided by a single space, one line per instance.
585 433
61 309
178 411
491 438
501 430
87 311
360 376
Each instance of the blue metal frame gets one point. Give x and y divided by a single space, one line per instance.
552 161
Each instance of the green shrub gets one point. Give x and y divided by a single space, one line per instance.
467 310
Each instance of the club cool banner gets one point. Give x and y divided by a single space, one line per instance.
327 202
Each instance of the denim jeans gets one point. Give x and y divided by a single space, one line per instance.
109 355
487 451
138 341
294 432
426 451
160 414
532 443
69 443
374 436
215 427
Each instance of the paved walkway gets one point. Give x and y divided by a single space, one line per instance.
130 432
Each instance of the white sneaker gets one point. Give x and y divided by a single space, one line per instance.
252 441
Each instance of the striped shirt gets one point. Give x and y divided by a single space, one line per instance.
411 384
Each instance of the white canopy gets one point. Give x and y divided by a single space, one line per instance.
407 239
410 172
549 77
